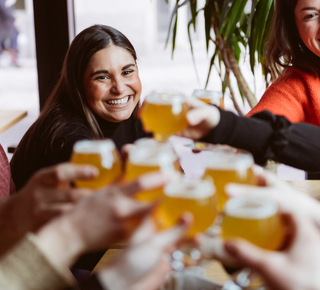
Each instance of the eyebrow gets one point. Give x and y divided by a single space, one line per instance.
308 8
106 71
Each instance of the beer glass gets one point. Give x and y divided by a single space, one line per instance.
102 154
209 97
150 155
164 114
227 164
256 220
196 196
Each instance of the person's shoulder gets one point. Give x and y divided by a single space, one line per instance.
296 73
295 77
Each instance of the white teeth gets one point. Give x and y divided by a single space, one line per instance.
118 102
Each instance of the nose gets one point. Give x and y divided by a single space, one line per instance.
118 85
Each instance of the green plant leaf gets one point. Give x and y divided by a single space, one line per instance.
226 7
253 7
208 9
193 9
236 48
210 66
233 18
173 14
262 19
174 33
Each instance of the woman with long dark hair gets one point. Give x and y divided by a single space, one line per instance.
96 97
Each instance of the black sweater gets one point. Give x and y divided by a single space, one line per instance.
269 136
42 154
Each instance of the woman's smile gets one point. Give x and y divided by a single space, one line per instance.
117 102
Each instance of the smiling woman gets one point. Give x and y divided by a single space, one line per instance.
96 97
112 84
293 54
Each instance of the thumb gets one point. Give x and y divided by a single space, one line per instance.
247 254
173 235
195 116
64 172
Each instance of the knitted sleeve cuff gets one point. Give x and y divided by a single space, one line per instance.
25 267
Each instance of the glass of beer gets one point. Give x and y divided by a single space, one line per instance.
227 164
164 114
102 154
258 221
209 97
150 155
196 196
254 219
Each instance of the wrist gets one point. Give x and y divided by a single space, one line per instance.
60 242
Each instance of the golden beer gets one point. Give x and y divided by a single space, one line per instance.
164 114
195 196
150 155
226 166
209 97
102 154
255 220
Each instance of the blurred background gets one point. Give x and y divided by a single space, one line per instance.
144 22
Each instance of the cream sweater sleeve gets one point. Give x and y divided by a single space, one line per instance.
27 268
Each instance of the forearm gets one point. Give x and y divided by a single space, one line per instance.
27 267
268 136
10 229
59 241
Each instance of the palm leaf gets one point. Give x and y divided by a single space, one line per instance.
193 9
208 9
228 24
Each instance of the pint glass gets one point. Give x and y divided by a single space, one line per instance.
150 155
209 97
229 165
255 220
164 114
195 196
102 154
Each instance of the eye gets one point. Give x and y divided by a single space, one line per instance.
310 16
103 77
128 72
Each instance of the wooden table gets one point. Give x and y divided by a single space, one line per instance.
213 269
311 187
10 117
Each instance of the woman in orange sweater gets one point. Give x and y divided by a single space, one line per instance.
293 54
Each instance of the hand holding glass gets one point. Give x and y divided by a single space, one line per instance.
256 220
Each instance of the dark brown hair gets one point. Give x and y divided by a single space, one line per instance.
285 47
67 104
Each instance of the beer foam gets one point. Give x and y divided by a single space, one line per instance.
229 161
166 98
249 207
150 152
190 189
93 146
206 94
102 147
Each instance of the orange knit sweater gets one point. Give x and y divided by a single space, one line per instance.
296 96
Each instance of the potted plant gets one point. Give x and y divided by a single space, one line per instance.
237 29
